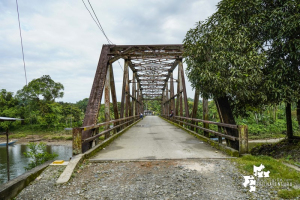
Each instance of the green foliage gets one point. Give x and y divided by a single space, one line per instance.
41 87
8 108
36 104
247 51
82 104
276 168
289 194
38 154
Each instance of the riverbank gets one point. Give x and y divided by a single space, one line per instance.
41 138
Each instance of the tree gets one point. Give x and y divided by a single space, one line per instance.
247 52
37 100
82 104
38 154
43 88
8 108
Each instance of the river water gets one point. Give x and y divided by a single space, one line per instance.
18 161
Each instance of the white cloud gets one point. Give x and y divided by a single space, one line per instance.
61 39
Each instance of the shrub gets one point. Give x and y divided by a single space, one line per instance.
38 154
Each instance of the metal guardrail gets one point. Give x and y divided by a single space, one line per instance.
242 130
93 139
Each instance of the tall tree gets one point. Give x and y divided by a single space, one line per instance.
43 88
248 51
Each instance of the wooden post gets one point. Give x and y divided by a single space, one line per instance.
243 138
114 97
77 141
7 156
205 116
107 100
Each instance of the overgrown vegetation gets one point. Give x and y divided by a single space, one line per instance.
38 154
247 52
286 151
278 171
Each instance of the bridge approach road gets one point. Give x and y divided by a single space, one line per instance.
153 139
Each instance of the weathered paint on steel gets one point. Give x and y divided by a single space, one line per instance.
92 110
107 100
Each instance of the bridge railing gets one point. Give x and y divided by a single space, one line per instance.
192 124
117 126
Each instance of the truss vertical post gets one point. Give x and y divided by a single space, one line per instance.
114 97
162 104
139 99
133 94
92 110
172 101
125 72
127 92
167 98
107 100
186 106
178 95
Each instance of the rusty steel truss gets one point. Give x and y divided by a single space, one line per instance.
152 67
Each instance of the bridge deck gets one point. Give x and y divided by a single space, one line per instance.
154 138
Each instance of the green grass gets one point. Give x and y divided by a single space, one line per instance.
277 171
276 168
18 135
289 194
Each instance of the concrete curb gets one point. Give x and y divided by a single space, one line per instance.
67 173
12 188
292 166
153 160
229 151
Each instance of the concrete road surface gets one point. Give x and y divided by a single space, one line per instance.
154 138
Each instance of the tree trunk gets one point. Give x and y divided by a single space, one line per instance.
298 113
226 116
289 126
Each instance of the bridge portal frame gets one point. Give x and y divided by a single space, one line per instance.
153 68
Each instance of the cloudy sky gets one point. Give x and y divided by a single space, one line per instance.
61 39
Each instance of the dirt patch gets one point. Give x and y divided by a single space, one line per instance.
282 149
38 138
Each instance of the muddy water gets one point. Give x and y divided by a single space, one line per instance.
18 161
